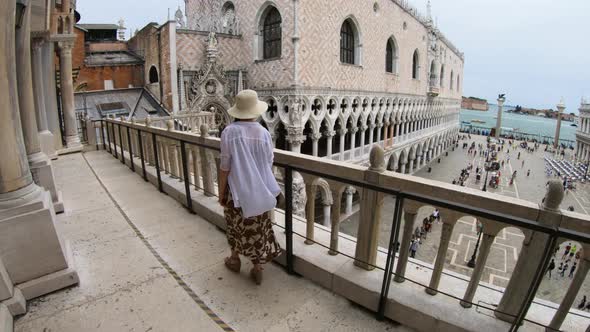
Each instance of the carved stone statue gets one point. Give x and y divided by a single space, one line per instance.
212 41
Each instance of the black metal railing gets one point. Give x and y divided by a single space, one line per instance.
107 130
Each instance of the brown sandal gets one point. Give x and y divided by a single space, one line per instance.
256 276
234 264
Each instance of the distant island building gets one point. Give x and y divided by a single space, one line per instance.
476 104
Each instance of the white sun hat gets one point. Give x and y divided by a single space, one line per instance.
247 106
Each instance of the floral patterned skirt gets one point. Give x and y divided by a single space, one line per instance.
251 237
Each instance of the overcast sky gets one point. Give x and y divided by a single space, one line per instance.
535 51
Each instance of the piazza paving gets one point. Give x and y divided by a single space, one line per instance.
507 245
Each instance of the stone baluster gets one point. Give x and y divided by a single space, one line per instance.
379 126
370 213
482 257
445 238
410 214
310 189
411 170
570 296
531 254
208 182
196 168
337 190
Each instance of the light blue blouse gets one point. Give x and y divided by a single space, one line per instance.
247 153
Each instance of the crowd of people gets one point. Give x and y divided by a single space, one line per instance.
421 232
567 263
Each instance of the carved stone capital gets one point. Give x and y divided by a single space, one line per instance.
354 130
350 190
316 136
342 132
329 133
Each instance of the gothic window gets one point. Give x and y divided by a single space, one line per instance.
415 65
154 75
442 75
452 85
458 82
347 43
391 57
229 18
272 34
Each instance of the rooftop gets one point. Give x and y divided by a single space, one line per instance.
98 26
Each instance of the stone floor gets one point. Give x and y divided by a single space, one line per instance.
111 227
506 247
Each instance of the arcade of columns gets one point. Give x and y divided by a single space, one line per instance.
32 260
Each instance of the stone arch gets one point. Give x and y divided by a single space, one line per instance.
324 188
392 163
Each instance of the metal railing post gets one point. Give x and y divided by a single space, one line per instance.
187 184
121 145
393 239
155 147
141 156
536 282
289 217
130 145
114 140
102 135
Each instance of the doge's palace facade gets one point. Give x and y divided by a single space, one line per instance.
339 75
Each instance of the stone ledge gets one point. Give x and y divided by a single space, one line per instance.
407 304
6 321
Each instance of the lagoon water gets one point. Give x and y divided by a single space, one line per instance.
522 123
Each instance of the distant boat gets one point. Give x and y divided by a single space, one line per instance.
477 121
573 125
465 122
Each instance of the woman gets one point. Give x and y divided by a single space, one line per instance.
247 186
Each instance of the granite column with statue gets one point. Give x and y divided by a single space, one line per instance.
560 109
501 101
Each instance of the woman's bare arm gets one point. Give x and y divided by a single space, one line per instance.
222 181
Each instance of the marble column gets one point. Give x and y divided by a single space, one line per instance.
314 140
362 147
50 94
342 133
353 132
31 250
39 163
45 136
67 96
310 190
411 166
482 257
379 126
404 251
445 238
329 136
371 133
403 167
335 220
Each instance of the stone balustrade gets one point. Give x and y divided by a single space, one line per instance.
185 121
544 225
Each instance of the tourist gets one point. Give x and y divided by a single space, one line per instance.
519 156
582 304
562 273
567 250
522 164
573 251
528 172
413 248
247 187
572 270
551 267
436 215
